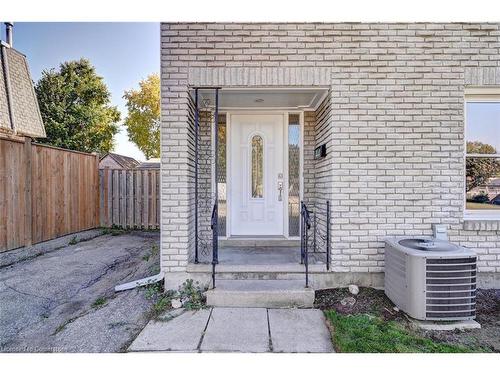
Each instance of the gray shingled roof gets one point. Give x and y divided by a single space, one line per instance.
125 161
19 111
150 164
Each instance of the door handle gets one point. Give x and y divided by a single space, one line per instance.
280 191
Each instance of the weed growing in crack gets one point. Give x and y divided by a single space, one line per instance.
99 302
190 296
115 230
162 300
73 241
154 252
62 326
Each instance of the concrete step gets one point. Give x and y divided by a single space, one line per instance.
260 293
258 242
262 269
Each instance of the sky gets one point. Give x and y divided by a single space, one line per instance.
483 123
122 53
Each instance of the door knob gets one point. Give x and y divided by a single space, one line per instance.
280 191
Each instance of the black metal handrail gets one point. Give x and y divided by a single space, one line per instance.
306 217
321 231
305 225
196 153
215 243
328 228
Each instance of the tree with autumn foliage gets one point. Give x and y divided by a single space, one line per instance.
143 120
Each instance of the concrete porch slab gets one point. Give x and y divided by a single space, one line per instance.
237 330
182 333
299 331
265 255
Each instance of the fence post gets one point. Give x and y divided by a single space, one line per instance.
97 194
28 235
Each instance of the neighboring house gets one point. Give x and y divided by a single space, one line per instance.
19 111
491 189
153 163
386 102
116 161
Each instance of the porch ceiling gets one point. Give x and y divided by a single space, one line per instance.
263 98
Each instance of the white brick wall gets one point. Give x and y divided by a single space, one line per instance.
395 123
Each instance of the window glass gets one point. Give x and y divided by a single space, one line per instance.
257 167
482 172
293 175
483 127
221 162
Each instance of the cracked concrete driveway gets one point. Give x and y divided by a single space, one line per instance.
48 303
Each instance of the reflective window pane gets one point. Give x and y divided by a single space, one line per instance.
482 136
257 167
221 162
483 127
482 183
293 175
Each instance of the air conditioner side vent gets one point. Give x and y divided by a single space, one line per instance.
451 288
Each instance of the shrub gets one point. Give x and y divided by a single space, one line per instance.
480 198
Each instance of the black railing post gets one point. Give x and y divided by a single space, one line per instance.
215 237
328 235
305 226
196 127
301 232
315 227
306 253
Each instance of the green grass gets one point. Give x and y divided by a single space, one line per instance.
368 334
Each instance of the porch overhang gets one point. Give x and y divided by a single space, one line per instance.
264 98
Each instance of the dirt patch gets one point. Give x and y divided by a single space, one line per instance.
375 302
487 314
368 301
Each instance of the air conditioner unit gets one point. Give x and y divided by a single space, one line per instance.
430 279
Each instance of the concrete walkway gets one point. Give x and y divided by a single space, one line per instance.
254 330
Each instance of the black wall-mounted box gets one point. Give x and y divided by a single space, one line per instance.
320 151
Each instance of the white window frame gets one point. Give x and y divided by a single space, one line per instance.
478 95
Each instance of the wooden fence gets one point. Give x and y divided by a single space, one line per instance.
45 192
130 198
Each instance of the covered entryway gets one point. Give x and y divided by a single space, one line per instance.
254 165
264 140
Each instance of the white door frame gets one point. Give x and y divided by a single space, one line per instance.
285 115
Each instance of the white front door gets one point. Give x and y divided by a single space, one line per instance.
256 192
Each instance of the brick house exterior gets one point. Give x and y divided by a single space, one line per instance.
393 124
